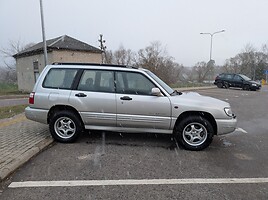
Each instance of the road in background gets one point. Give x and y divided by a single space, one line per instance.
13 102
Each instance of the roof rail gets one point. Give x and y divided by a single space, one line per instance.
94 64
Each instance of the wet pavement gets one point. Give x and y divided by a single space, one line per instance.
145 157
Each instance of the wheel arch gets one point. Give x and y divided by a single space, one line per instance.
56 108
206 115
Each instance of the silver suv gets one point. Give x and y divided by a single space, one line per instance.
74 97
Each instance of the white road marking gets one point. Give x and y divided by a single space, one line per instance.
27 184
240 129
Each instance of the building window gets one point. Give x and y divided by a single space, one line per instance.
36 70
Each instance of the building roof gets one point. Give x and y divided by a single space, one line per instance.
64 42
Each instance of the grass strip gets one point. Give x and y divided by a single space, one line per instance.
10 111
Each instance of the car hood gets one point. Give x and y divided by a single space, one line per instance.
254 82
195 99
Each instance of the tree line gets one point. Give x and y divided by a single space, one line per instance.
250 61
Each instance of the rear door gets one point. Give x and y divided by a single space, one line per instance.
228 78
94 98
136 107
56 88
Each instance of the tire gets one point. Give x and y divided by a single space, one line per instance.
194 133
246 87
219 85
65 126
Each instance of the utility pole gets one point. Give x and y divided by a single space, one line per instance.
103 48
43 32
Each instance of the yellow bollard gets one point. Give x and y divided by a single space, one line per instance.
263 82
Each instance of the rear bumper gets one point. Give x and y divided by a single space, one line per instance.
38 115
226 125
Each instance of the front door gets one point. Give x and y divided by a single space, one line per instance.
238 81
136 107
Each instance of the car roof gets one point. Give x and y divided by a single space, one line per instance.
94 64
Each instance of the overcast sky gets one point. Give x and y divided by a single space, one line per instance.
136 23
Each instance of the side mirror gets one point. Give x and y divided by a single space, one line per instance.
156 92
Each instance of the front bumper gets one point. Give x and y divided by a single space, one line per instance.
258 87
225 126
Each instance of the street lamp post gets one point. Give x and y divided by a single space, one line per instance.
43 32
211 40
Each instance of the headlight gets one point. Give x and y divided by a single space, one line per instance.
253 84
228 112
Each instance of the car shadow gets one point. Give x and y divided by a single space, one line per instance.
152 140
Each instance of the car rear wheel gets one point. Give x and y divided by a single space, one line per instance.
194 133
219 85
65 126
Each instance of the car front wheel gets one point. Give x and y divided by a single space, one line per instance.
246 87
194 133
65 126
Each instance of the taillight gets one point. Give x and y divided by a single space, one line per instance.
31 98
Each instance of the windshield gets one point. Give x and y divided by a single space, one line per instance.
245 77
160 82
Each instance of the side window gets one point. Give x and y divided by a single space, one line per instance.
133 83
237 78
229 76
59 78
97 81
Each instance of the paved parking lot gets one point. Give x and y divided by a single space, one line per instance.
143 166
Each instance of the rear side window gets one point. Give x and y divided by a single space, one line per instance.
60 78
97 81
228 76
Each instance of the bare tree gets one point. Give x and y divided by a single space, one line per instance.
14 48
109 57
249 62
156 59
123 56
203 70
9 62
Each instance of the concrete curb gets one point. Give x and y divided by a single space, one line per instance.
15 164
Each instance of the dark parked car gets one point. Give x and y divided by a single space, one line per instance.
226 80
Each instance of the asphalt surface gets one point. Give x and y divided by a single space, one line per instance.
241 154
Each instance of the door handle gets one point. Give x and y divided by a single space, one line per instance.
80 95
126 98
